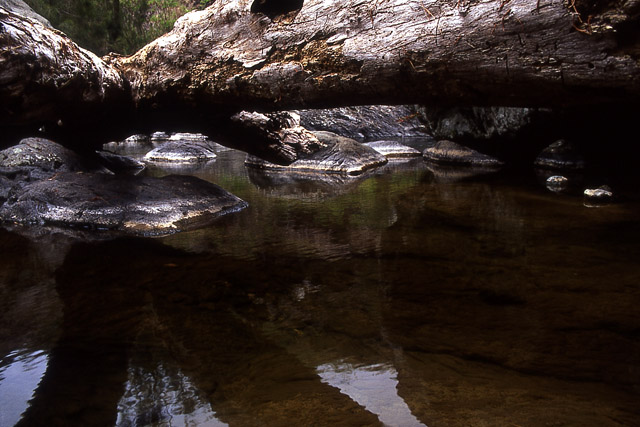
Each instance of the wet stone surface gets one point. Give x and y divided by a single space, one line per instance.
451 153
365 122
557 183
342 155
139 205
47 157
393 149
562 154
181 151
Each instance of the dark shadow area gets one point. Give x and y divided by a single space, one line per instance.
275 8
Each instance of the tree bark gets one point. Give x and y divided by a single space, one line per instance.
246 55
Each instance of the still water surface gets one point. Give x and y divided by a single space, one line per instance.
406 297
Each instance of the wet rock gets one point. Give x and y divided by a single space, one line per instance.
181 151
134 146
341 155
365 122
598 196
38 158
119 164
159 136
132 204
185 136
557 183
484 123
560 155
451 153
393 149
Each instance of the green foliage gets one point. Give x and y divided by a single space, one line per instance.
121 26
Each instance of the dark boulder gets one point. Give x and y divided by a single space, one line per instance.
450 153
365 122
38 158
44 154
341 155
560 155
484 123
132 204
119 164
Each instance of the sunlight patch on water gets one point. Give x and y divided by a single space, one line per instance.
373 387
163 398
18 381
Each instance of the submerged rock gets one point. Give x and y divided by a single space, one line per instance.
303 185
450 153
341 155
448 174
560 155
393 149
181 151
139 205
365 122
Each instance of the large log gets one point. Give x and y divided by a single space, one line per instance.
274 55
331 53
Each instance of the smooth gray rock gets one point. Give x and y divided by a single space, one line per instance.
560 155
365 122
131 204
181 151
451 153
393 149
341 155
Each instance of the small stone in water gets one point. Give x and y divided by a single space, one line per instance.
600 194
557 183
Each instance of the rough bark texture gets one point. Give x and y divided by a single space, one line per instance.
329 53
245 55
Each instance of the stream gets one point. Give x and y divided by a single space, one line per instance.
410 296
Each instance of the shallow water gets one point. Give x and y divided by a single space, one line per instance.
405 297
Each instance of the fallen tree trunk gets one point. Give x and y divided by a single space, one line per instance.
275 55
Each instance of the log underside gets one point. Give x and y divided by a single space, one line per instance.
236 56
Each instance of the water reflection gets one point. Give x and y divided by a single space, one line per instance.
373 387
20 374
399 299
159 397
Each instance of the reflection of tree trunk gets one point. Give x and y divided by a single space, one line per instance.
246 379
329 53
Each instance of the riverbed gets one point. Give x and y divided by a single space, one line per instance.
409 296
